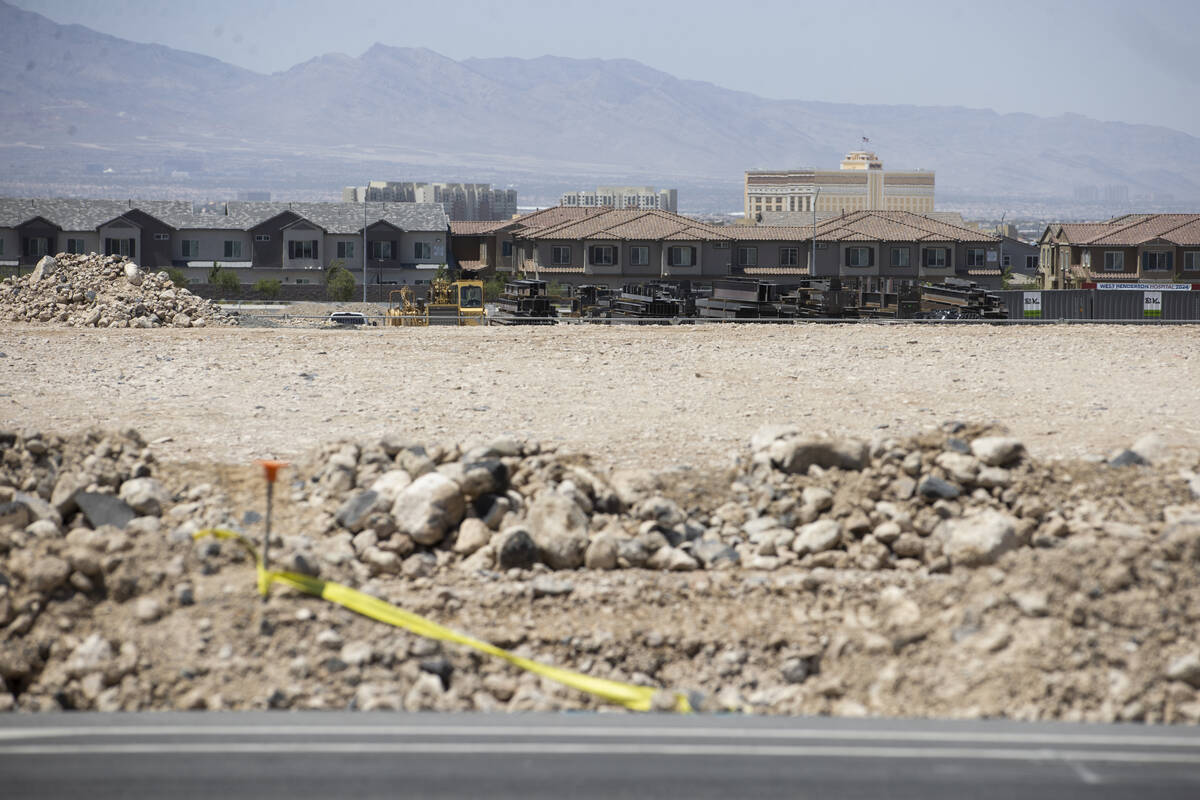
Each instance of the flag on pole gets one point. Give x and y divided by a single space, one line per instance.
866 140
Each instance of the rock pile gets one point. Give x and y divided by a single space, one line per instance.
947 574
94 291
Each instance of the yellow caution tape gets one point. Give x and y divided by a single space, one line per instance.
636 698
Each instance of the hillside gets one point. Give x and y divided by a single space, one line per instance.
70 93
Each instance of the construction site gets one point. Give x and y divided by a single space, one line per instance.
871 520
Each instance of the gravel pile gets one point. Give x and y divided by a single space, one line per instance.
103 292
946 575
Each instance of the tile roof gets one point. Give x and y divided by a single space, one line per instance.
73 215
774 270
337 218
471 266
478 228
898 226
630 224
1132 230
557 270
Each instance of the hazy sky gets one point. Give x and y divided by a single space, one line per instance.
1127 60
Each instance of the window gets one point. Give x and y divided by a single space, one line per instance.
382 251
1087 259
1114 261
747 256
681 256
789 257
35 246
345 250
639 256
560 255
75 246
604 255
936 258
976 257
901 257
262 237
505 249
1 246
422 250
233 248
859 257
1157 261
190 248
1031 263
1008 261
120 247
162 237
1191 260
306 248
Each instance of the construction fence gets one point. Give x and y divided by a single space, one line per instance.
1104 304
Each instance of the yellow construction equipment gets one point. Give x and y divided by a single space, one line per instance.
449 303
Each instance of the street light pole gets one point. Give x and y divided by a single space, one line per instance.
365 247
812 261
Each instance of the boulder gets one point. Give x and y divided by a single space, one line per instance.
602 552
978 539
997 451
46 266
796 455
146 496
428 507
517 549
817 537
559 528
133 274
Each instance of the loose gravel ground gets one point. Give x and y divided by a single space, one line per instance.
654 397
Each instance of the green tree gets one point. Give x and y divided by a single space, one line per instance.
268 288
339 283
177 277
227 283
493 287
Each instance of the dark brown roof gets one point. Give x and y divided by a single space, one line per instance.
1132 230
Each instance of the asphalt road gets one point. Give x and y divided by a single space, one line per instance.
265 756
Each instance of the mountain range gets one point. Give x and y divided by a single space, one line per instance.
71 95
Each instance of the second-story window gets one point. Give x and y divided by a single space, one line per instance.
747 256
345 250
303 249
1157 261
900 257
859 257
233 248
639 256
381 251
73 246
560 255
604 255
422 250
936 257
976 257
190 248
789 256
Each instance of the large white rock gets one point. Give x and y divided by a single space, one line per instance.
133 274
428 507
817 537
997 451
978 539
559 529
146 496
46 266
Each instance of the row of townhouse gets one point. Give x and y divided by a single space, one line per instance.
1134 248
612 246
290 242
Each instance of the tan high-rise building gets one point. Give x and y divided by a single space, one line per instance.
860 185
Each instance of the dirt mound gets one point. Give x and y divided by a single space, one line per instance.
947 575
103 292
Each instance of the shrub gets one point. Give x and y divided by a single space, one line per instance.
177 277
493 287
226 282
268 288
339 283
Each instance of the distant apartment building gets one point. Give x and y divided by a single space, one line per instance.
461 201
860 185
639 197
1138 248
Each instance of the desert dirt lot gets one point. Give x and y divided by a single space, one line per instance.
655 397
